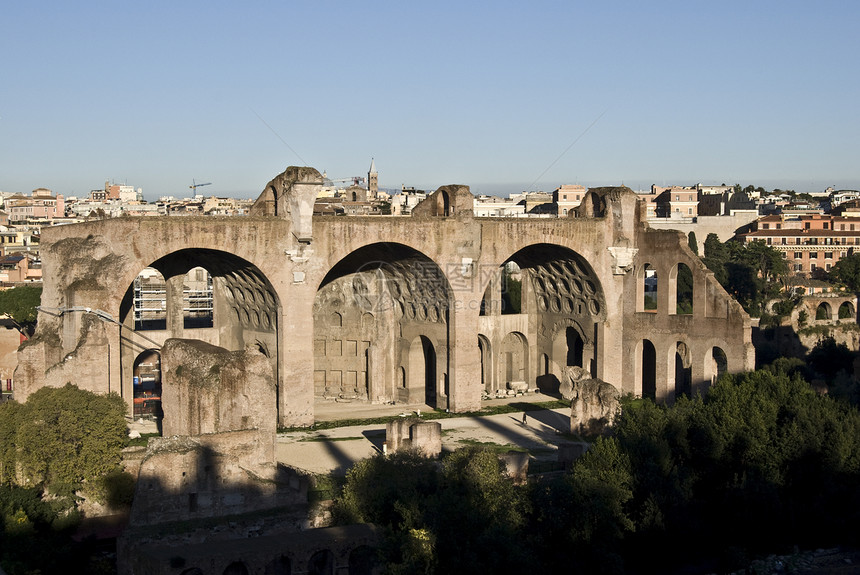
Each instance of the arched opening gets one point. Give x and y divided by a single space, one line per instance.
649 370
846 310
147 386
280 566
375 294
150 301
362 560
575 346
198 310
422 372
683 290
563 300
719 364
513 360
649 288
512 289
321 563
822 312
354 197
201 294
443 204
683 371
236 568
486 369
429 354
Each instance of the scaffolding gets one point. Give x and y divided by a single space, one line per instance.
150 301
198 308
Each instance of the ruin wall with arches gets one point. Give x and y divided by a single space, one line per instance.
413 309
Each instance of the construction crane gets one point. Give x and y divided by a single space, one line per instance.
356 180
194 185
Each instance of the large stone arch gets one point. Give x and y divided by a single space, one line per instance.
245 309
561 298
385 293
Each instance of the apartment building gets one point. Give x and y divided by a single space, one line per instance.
811 243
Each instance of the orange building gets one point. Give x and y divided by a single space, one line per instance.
809 243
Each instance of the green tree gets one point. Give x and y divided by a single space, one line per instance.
512 289
847 272
828 358
68 439
601 488
715 249
691 241
684 285
20 303
752 273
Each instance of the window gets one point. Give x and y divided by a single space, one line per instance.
812 267
851 227
843 254
827 267
798 267
798 255
828 255
769 241
813 255
806 226
825 225
690 211
783 241
765 226
779 226
677 198
841 227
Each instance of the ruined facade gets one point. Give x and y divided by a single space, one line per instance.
435 308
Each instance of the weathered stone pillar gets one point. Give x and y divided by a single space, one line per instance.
114 359
464 358
175 304
493 303
700 380
296 361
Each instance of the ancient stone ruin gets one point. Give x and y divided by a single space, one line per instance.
241 324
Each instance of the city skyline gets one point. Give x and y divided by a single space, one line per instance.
503 100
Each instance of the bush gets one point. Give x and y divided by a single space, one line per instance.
63 439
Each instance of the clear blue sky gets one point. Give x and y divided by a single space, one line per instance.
487 94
